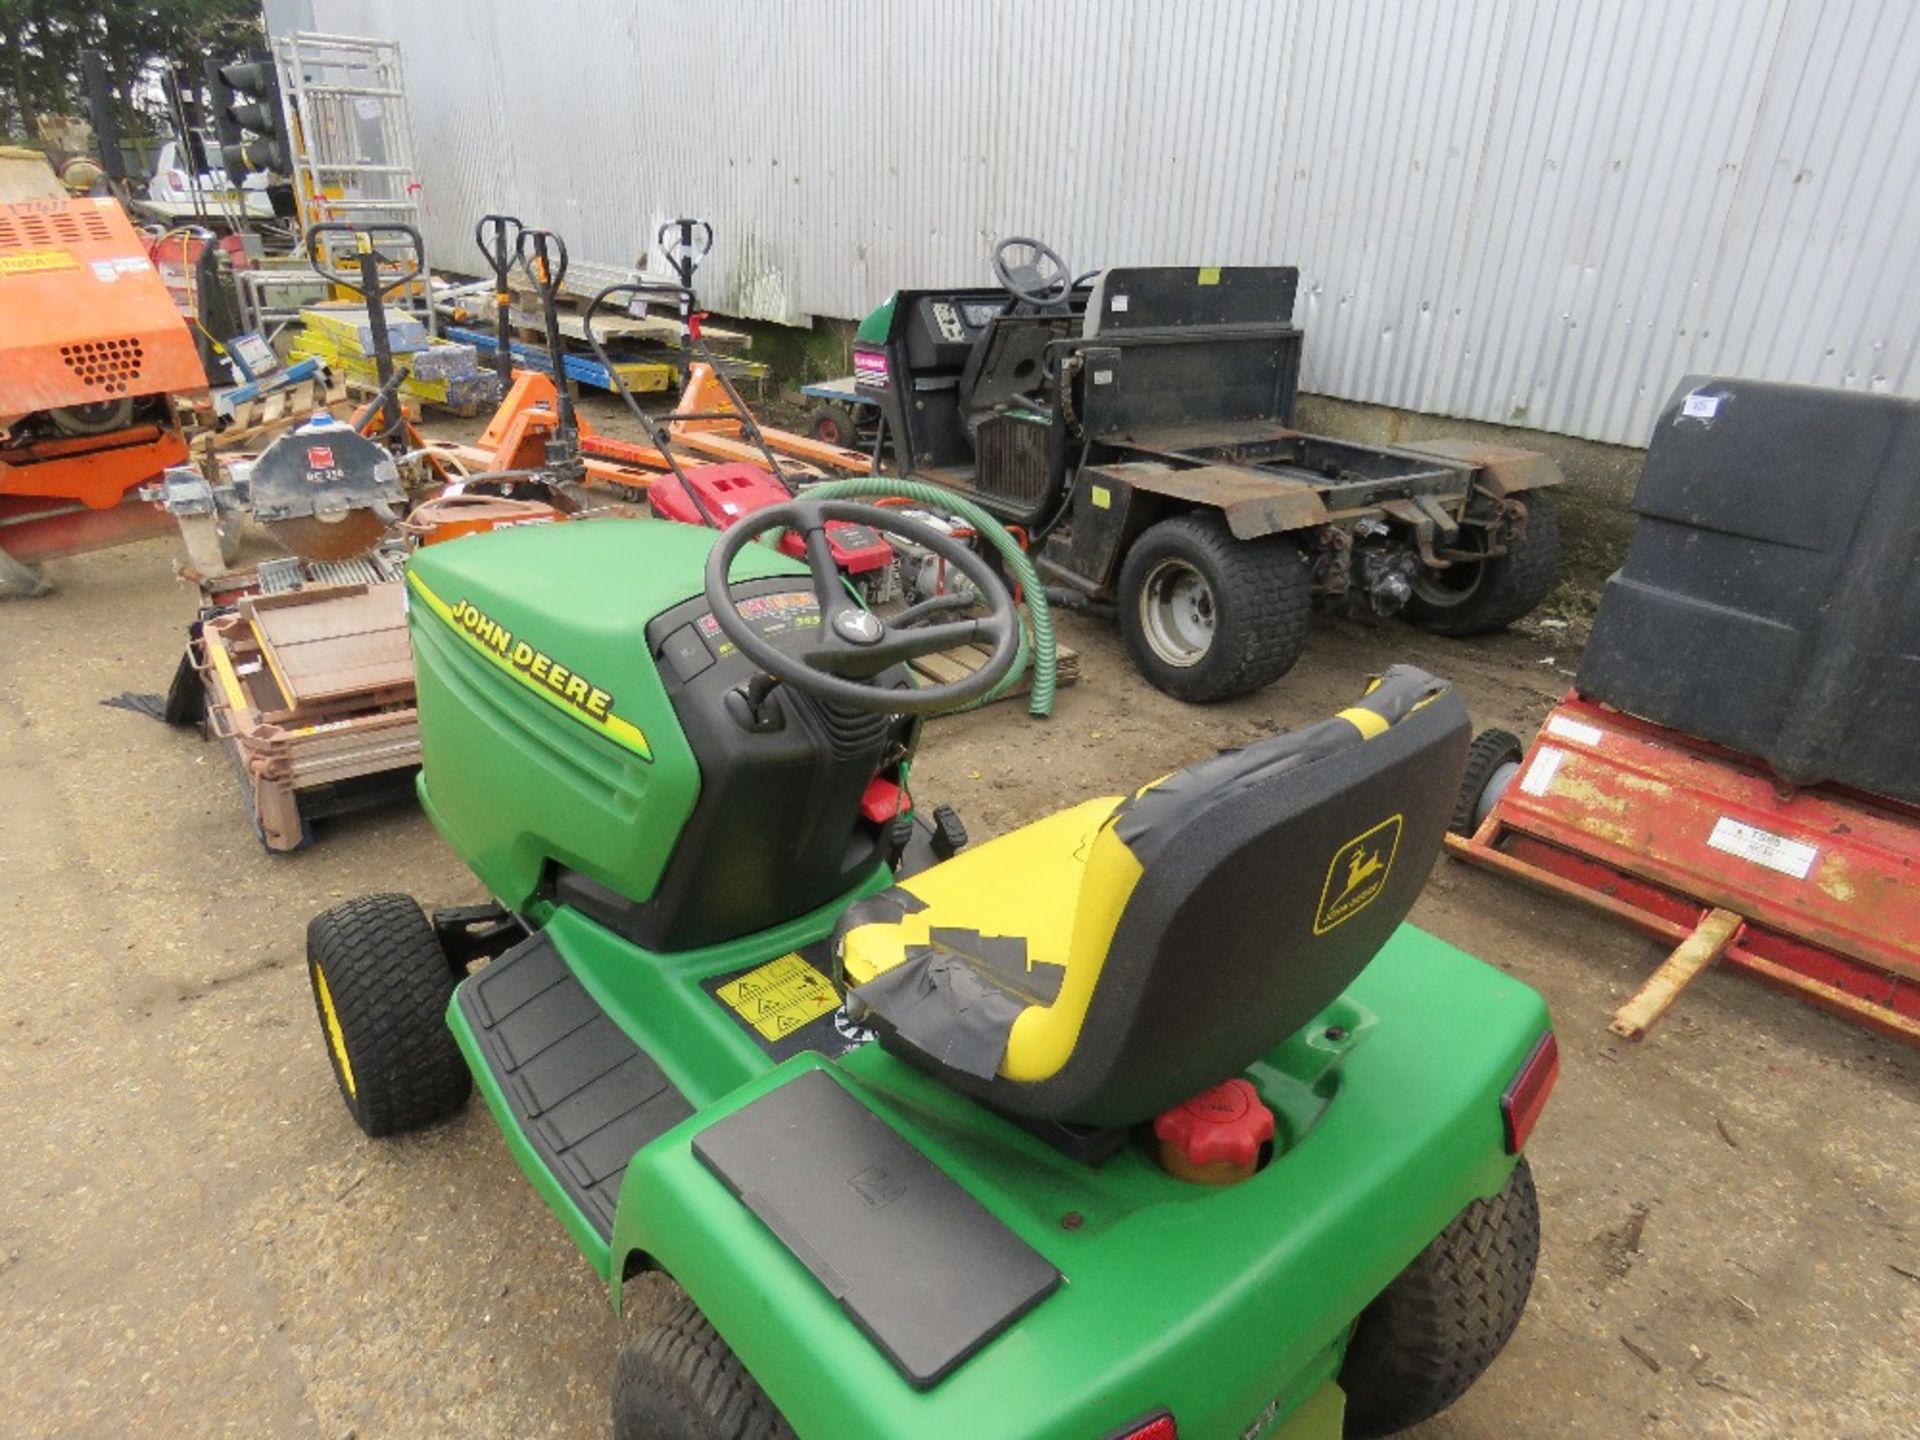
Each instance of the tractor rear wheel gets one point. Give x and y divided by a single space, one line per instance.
678 1380
1437 1327
1206 616
381 985
1478 597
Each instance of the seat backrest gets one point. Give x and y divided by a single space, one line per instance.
1010 361
1263 881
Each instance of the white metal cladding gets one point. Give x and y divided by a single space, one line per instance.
1518 211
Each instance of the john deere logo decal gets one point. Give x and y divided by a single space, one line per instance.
1357 874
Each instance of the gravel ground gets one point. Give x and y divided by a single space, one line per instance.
196 1241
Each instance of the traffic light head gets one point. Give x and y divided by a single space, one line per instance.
248 119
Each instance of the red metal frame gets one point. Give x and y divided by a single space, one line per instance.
1657 829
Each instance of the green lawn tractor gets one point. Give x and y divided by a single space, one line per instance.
1138 424
1148 1119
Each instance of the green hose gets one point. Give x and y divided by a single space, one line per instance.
1039 617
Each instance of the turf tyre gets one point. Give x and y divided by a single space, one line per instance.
1490 751
1505 586
1437 1327
381 985
1261 600
678 1380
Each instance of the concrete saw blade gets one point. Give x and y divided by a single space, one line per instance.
343 535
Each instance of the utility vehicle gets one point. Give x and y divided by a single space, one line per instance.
1150 1118
1137 423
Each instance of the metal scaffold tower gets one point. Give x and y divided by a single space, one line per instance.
345 102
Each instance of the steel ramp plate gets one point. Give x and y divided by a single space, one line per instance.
917 1263
585 1096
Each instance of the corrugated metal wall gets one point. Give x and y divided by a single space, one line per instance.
1531 213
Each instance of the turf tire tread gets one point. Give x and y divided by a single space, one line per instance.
390 984
678 1380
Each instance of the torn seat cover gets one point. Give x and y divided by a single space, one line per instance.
986 966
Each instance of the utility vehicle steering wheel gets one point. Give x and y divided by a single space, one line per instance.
855 645
1031 271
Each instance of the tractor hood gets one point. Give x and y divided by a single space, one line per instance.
546 732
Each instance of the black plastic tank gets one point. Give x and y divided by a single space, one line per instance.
1770 600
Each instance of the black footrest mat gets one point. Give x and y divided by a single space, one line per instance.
585 1095
926 1270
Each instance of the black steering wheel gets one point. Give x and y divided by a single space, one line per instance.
1031 271
856 645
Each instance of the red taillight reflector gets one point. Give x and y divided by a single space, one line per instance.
1526 1094
1155 1427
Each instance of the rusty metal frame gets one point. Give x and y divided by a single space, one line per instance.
1624 816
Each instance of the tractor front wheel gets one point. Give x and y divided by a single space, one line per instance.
1207 616
1437 1327
678 1380
381 985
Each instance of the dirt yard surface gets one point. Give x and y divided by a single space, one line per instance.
196 1240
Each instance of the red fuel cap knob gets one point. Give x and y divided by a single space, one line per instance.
1215 1137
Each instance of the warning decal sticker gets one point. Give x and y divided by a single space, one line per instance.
1357 874
779 997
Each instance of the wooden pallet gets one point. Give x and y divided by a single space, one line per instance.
265 415
956 664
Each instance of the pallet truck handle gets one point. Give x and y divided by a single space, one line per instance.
687 248
543 255
501 245
656 431
498 237
371 288
365 279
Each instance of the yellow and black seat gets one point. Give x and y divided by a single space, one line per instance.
1119 957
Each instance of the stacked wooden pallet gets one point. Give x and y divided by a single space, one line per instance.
337 339
312 694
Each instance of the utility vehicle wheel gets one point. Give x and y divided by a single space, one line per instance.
678 1380
381 985
834 425
1436 1328
1492 759
1208 617
1477 598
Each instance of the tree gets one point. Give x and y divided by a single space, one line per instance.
41 41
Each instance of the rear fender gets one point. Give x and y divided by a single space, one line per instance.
1229 1306
1501 471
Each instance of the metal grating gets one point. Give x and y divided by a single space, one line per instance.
1014 452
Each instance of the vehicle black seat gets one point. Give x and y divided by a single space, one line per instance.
1119 957
1767 601
1009 363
